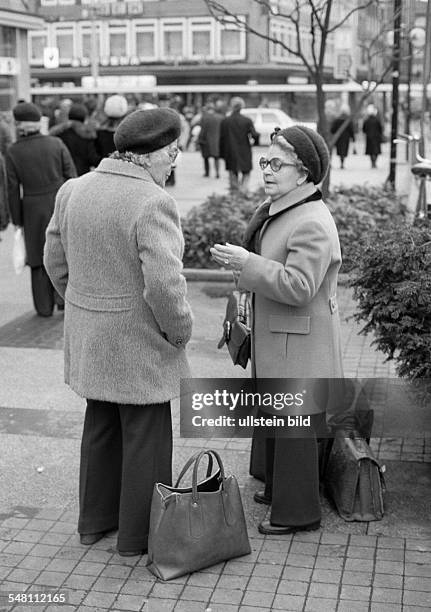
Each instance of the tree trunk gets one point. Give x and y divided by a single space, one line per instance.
323 127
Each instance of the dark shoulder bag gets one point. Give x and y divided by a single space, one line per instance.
237 328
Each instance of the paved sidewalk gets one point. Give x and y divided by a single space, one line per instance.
344 567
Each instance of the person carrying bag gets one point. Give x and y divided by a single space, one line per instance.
196 527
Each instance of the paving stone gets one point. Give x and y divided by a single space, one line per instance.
45 550
24 575
223 607
96 599
385 542
203 579
88 568
231 582
390 554
297 573
196 593
324 590
331 563
267 570
360 552
268 556
361 565
27 535
167 591
418 545
357 578
53 579
109 585
240 569
417 598
129 602
69 552
288 602
356 540
320 605
258 599
258 583
135 587
75 581
226 596
30 562
329 576
292 587
334 538
253 609
389 567
277 546
188 606
116 571
159 605
53 538
416 584
346 605
382 607
388 581
297 560
386 595
413 556
61 565
332 550
410 569
354 592
303 548
18 548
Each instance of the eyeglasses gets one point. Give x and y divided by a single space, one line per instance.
172 154
275 163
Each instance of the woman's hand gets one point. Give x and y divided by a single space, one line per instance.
230 256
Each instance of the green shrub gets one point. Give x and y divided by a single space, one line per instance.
392 284
221 218
357 211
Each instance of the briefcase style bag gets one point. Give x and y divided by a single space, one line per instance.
354 478
236 328
196 527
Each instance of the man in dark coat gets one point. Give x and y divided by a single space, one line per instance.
79 138
235 148
373 131
209 138
37 166
347 135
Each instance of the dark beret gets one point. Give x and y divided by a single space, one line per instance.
311 149
26 111
144 131
78 112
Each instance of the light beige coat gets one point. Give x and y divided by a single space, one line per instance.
114 248
296 330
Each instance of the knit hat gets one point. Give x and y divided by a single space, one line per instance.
78 112
115 106
310 148
144 131
26 111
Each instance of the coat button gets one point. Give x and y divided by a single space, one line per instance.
179 341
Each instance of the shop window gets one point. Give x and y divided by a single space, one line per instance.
144 40
37 42
7 41
118 39
85 36
64 39
173 39
232 41
202 38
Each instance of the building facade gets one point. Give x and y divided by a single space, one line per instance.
15 22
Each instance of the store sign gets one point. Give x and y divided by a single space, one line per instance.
120 83
9 66
51 57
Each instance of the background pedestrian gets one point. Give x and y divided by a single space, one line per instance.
373 130
115 109
236 132
114 250
209 138
36 167
347 135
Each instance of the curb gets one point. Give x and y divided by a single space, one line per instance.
225 276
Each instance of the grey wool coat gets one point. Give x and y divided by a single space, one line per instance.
113 249
296 330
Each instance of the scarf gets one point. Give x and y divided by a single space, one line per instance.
251 240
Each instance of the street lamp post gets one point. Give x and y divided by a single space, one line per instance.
426 75
395 90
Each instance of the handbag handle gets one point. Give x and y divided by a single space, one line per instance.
195 494
189 462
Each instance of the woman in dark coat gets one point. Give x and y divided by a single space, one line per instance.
209 138
115 110
290 264
79 138
347 135
37 165
373 131
235 148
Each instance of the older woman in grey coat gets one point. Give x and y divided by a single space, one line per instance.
114 249
291 265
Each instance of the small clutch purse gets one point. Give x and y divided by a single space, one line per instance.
237 328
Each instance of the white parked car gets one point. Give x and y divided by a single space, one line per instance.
266 119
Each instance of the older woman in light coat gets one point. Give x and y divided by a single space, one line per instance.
290 264
114 248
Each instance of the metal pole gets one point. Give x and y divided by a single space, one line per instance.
94 49
426 76
395 96
408 101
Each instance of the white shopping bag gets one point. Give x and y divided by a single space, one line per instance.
18 253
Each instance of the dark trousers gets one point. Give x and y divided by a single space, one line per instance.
44 294
292 476
125 449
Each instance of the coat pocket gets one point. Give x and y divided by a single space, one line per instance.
100 303
291 324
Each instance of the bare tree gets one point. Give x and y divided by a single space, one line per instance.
318 18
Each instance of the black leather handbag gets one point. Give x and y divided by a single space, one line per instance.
237 328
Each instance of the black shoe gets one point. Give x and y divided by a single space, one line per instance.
260 498
91 538
131 553
267 528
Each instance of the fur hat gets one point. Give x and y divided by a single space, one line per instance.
144 131
115 106
26 111
78 112
310 148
